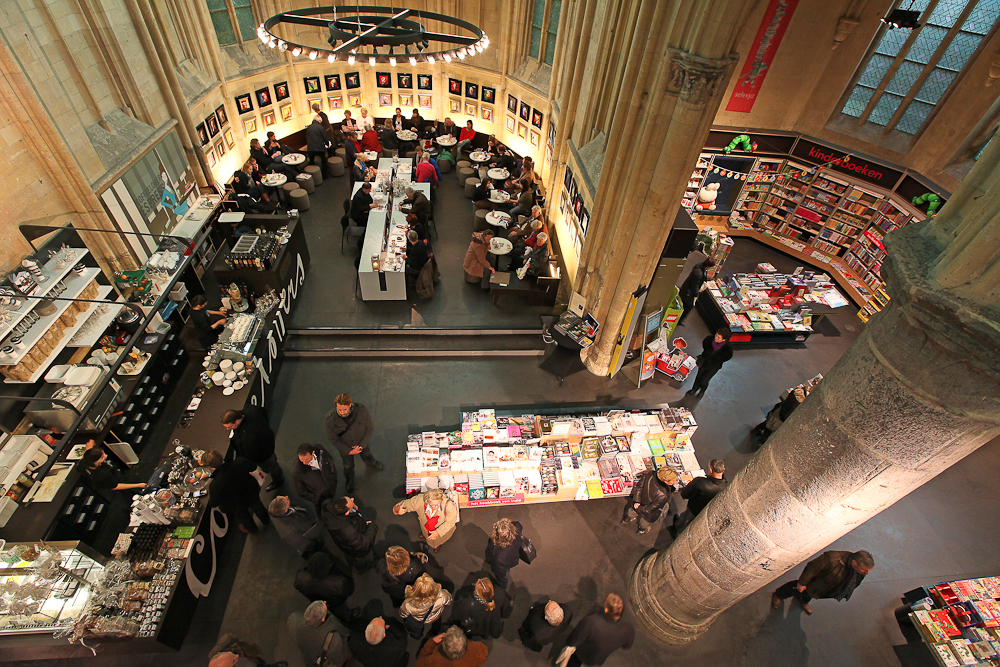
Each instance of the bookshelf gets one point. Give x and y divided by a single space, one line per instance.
698 174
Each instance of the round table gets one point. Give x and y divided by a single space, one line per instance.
477 156
371 155
498 174
446 140
406 135
499 246
498 219
274 180
497 198
293 159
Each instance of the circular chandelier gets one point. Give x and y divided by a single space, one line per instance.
378 34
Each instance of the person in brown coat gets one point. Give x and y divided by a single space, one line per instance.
835 575
452 649
477 267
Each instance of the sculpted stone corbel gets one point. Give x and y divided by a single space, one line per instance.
695 80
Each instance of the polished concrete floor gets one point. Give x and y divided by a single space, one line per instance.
939 532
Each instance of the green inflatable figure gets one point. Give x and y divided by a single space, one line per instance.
929 198
743 141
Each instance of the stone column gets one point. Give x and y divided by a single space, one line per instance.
918 391
664 91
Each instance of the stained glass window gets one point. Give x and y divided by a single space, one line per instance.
537 18
220 19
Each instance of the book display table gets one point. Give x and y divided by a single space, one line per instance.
500 458
958 622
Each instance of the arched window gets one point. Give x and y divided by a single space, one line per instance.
910 70
544 24
232 18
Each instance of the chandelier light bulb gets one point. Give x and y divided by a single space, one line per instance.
392 60
331 58
461 54
413 61
297 51
471 51
350 59
430 60
273 43
313 55
479 48
371 60
282 45
447 57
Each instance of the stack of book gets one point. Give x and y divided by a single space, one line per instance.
960 621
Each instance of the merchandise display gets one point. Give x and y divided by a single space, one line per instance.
254 251
495 458
959 621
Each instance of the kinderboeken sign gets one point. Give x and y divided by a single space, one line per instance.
859 168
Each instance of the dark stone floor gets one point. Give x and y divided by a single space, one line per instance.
938 532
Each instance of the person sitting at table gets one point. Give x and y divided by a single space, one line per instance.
429 133
504 160
366 119
275 148
416 255
476 265
244 183
419 205
526 167
101 473
525 200
413 223
351 151
448 129
464 138
398 121
317 142
434 163
348 125
481 196
523 237
387 135
425 171
370 142
361 171
417 122
361 205
269 164
535 258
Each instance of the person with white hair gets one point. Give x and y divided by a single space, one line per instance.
535 259
436 515
309 629
383 644
366 119
546 621
452 648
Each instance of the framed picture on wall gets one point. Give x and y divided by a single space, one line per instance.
489 95
221 114
354 100
383 80
404 80
228 134
310 102
424 101
311 84
405 100
281 91
525 112
584 220
535 138
470 109
220 147
486 113
511 104
268 118
522 130
425 82
244 103
511 123
263 97
331 81
335 102
536 118
210 156
385 99
286 112
212 124
250 125
577 205
202 134
352 80
454 106
455 86
472 90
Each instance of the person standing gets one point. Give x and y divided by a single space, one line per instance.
314 477
383 644
776 417
692 285
320 580
476 265
317 143
650 494
436 514
481 609
350 531
397 570
251 437
598 636
835 574
235 490
715 351
206 329
349 428
309 630
503 551
101 473
424 603
700 491
292 524
546 620
452 649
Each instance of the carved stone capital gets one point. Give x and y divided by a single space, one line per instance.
845 26
695 79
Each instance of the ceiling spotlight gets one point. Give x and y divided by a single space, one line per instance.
350 59
902 18
331 58
392 60
312 55
447 57
413 61
426 43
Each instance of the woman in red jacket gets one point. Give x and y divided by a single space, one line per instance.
370 142
468 134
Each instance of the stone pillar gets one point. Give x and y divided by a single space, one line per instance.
918 391
664 91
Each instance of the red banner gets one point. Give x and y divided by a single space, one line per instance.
761 55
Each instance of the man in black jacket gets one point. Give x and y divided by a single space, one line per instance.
545 622
350 531
420 206
320 580
269 164
715 351
650 494
349 428
316 141
383 644
362 204
293 524
251 437
234 490
691 287
314 477
599 635
416 255
702 489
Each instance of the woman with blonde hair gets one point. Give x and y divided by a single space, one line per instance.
399 569
424 603
503 551
481 608
436 514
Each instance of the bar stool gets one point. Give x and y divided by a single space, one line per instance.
299 199
316 173
479 221
470 186
289 188
341 153
336 166
462 164
305 182
444 166
463 174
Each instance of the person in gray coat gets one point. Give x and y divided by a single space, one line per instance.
316 141
309 630
349 428
293 524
